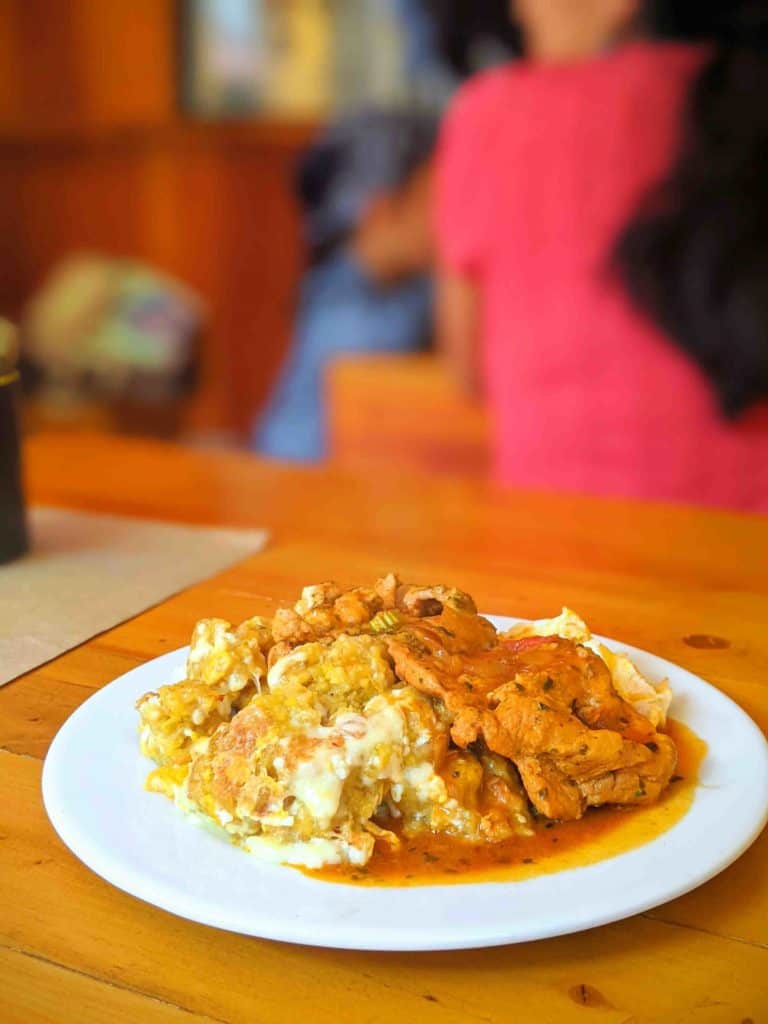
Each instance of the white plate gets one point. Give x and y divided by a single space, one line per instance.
138 841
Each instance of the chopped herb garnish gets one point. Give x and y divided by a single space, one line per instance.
550 824
543 794
542 707
583 748
519 687
430 858
385 621
548 683
652 747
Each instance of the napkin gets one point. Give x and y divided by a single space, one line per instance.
87 573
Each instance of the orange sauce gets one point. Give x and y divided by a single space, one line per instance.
555 846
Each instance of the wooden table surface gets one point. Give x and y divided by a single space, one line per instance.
72 948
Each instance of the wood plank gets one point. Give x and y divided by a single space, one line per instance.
732 904
62 81
34 991
643 969
631 544
34 711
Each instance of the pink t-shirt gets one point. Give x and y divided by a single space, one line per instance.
539 168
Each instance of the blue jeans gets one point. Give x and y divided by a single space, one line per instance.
340 311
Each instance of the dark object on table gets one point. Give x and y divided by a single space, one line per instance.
13 526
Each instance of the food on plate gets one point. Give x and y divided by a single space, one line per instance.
225 668
651 699
370 715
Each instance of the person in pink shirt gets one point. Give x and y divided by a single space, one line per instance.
602 224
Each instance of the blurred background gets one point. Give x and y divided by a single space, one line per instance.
229 222
175 178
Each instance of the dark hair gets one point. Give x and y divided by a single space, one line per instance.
469 31
695 255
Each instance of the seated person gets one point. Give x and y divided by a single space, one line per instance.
365 188
601 227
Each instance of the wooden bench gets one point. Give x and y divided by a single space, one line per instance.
404 412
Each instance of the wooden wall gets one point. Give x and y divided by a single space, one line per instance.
70 64
94 155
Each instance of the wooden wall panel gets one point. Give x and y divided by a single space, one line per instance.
94 155
66 64
262 260
67 203
11 257
212 206
127 73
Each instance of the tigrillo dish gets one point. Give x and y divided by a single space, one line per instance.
392 728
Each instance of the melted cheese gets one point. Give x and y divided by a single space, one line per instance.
313 853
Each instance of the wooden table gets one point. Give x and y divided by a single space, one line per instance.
75 949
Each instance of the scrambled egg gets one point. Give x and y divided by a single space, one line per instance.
299 773
651 701
225 667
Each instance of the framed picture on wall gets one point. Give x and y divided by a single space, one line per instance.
303 59
222 57
248 57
